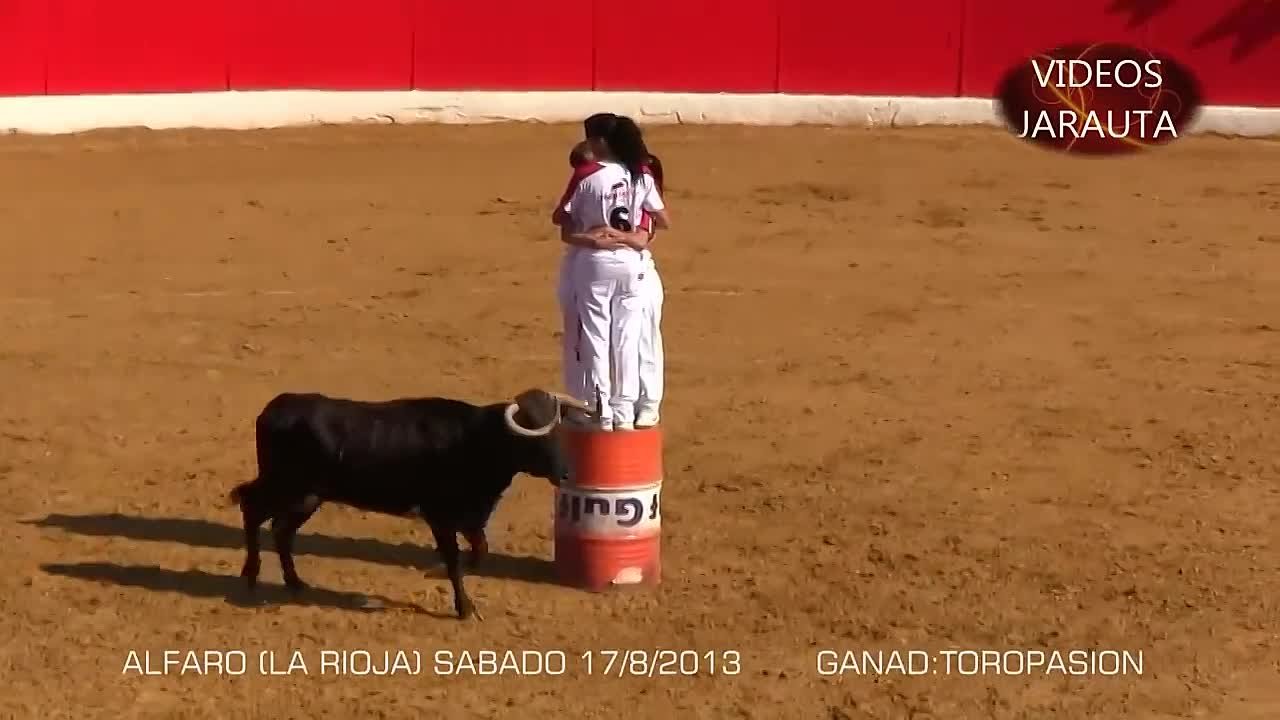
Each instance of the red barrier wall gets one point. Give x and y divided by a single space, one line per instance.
854 47
687 45
283 44
1233 45
24 47
502 45
992 46
839 47
120 46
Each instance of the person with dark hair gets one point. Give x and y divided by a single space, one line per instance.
603 277
651 358
581 155
597 128
655 169
598 125
625 142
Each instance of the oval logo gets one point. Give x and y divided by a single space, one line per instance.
1099 99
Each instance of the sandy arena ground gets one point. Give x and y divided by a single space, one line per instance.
928 389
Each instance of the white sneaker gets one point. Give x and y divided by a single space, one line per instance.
617 425
647 418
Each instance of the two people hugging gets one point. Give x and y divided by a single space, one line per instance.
609 290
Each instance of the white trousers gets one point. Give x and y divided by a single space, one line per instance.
651 360
609 303
571 331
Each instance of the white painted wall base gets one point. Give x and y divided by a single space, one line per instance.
284 108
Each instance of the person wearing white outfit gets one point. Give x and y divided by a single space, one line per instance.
651 362
603 277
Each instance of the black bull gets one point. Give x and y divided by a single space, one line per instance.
444 460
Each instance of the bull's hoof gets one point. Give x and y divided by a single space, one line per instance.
296 587
469 611
250 574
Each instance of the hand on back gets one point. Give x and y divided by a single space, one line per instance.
608 238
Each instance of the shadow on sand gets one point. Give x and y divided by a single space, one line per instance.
204 533
200 584
207 534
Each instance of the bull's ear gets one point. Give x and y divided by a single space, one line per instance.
538 408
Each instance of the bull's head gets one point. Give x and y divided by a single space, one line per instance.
535 418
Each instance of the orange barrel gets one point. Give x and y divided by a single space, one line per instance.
615 460
608 526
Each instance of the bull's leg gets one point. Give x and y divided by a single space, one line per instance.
447 544
284 528
254 515
479 546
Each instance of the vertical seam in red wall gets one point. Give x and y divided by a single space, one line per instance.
777 47
413 42
228 22
48 42
595 80
964 27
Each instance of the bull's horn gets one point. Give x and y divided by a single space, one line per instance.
513 426
570 401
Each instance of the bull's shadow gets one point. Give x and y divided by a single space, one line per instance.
208 534
200 584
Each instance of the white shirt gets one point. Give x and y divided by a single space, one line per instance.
606 196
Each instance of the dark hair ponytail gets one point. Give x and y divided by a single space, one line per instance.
599 125
655 167
626 142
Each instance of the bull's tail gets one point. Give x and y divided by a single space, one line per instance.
239 492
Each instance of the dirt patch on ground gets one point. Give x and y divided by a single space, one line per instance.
928 390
